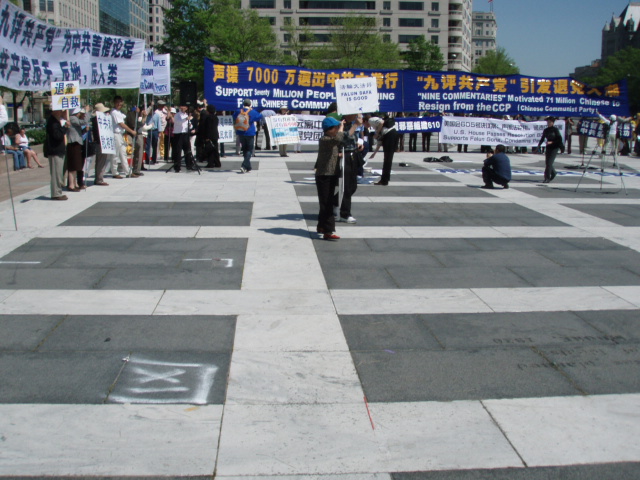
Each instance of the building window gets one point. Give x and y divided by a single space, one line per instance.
287 4
407 38
410 22
49 5
434 39
386 22
386 5
435 6
262 4
478 53
411 6
287 37
331 5
386 38
315 21
435 23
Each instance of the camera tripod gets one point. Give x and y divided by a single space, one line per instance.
600 152
194 165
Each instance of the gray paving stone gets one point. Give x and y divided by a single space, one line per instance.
360 277
173 378
617 471
576 276
522 258
622 325
601 369
138 264
398 190
164 214
411 376
418 276
390 245
625 215
387 332
594 258
58 377
586 190
143 333
25 332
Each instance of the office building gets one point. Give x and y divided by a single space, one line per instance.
66 13
127 18
447 23
621 32
156 21
483 36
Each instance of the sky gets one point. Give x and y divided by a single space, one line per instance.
550 38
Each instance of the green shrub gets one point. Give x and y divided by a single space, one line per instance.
36 136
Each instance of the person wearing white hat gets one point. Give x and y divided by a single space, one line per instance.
75 162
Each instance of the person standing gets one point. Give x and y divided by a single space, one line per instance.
75 159
102 159
210 137
153 135
326 175
351 166
202 118
496 168
554 143
119 129
387 138
267 138
181 139
283 148
244 121
54 150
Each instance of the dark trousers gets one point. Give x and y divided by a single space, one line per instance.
326 186
152 146
389 144
549 158
211 155
350 183
181 144
413 140
426 139
168 141
489 176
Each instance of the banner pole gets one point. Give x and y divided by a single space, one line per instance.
13 208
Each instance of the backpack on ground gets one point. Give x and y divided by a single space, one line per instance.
243 120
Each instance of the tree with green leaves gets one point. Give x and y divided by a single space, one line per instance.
424 56
497 62
355 43
184 25
621 65
300 43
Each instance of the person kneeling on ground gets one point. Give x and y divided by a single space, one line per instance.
497 168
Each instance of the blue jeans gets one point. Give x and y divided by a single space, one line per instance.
19 161
152 146
247 142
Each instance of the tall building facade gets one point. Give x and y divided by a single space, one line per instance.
66 13
127 18
156 32
447 23
484 33
621 32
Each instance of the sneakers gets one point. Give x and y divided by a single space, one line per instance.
348 220
61 197
243 170
330 236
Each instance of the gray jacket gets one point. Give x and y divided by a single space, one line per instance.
77 128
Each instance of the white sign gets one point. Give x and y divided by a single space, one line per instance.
309 128
226 132
156 74
34 53
65 95
105 130
283 129
357 95
490 131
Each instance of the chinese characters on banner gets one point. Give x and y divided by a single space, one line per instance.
226 132
415 125
283 129
156 74
357 95
34 53
593 128
491 131
270 86
105 130
65 95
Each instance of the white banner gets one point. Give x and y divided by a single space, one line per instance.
357 95
283 129
226 132
65 95
105 130
309 128
490 131
156 74
34 53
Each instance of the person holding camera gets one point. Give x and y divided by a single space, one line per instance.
496 168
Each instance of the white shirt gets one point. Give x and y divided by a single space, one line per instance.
181 122
118 118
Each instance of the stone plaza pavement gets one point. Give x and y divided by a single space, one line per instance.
185 325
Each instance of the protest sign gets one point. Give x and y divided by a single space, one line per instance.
309 128
357 95
226 132
490 131
156 74
105 130
594 128
34 53
283 129
65 95
418 125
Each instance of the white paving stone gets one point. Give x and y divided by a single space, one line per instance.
132 440
571 430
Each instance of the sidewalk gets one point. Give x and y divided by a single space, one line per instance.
185 325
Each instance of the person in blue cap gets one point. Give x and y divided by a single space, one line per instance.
327 168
